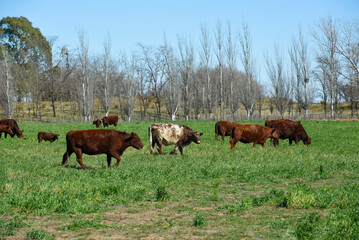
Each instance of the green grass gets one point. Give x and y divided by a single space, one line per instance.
211 191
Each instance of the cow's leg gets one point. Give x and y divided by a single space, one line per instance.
108 160
40 139
254 144
153 145
65 158
290 141
181 150
118 158
175 149
78 153
233 143
159 144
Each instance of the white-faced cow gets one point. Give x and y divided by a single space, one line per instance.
172 134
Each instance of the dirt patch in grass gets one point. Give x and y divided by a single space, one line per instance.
165 220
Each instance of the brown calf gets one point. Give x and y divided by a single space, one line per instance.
47 136
5 129
224 128
110 120
97 122
14 127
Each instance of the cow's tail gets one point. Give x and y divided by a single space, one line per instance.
150 137
216 130
69 151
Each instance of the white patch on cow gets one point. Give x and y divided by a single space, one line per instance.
168 133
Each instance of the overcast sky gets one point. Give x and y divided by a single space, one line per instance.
132 22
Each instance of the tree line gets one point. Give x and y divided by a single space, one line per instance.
211 82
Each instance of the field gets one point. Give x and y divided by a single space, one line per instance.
210 192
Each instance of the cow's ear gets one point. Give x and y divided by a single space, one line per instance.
129 137
201 134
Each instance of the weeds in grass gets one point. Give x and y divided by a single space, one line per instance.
198 221
161 194
34 234
9 226
307 226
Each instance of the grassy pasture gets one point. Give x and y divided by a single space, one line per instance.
209 192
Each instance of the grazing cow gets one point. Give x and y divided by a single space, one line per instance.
97 122
47 136
224 128
247 133
107 121
14 127
172 134
97 141
288 129
5 129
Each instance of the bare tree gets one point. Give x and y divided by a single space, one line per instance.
205 55
128 93
154 65
187 71
107 85
143 87
322 75
327 40
86 84
250 91
7 85
233 80
171 93
304 93
280 85
348 48
219 55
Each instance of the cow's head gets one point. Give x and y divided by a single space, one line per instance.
105 121
307 141
97 122
20 134
134 140
196 137
274 134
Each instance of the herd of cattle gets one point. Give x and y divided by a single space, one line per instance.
113 143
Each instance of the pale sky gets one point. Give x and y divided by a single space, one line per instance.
132 22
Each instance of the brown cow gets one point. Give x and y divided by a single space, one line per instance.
288 129
110 120
224 128
97 122
14 127
247 133
97 141
5 129
47 136
171 134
